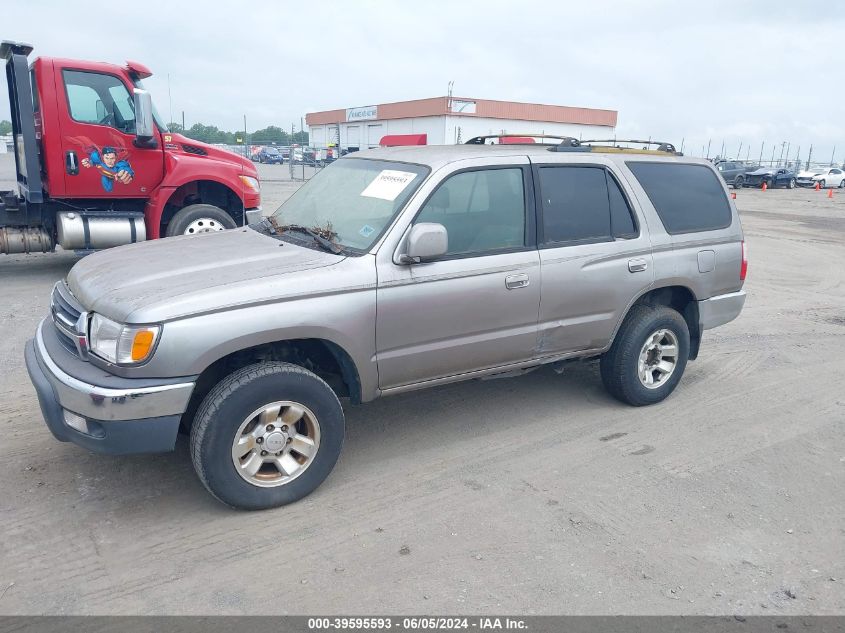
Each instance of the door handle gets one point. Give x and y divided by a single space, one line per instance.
637 265
512 282
71 164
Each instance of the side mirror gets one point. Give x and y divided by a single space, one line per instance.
144 125
426 241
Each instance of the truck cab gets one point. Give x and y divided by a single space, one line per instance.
97 166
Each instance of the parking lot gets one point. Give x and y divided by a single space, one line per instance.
534 495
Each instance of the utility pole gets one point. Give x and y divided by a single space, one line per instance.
708 148
747 152
246 147
170 99
782 147
722 153
772 162
183 120
760 162
832 154
739 151
682 146
798 160
809 158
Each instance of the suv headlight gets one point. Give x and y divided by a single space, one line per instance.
121 344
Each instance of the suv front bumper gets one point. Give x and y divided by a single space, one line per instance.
126 416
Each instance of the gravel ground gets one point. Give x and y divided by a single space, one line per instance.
534 495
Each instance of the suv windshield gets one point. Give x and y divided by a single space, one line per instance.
352 199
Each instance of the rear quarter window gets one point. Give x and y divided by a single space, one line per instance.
688 198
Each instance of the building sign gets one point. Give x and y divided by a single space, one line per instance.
365 113
464 107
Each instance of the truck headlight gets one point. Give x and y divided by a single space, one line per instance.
121 344
251 183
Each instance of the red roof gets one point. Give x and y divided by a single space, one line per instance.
485 108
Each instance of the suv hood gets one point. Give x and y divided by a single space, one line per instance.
161 280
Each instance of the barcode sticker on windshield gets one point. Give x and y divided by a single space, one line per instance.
388 184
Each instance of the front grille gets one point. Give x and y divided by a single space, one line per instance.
66 312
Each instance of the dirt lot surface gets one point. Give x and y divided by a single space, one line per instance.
534 495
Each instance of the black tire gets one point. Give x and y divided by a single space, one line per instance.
619 365
739 182
822 184
183 219
226 407
842 184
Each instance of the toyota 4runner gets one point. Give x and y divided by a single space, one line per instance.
393 269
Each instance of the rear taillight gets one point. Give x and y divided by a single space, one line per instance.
743 269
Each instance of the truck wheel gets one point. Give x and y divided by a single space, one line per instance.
648 356
266 435
199 218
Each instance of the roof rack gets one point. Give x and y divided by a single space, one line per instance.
571 144
525 139
588 145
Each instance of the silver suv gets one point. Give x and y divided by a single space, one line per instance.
391 270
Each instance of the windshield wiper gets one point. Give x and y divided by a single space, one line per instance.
321 241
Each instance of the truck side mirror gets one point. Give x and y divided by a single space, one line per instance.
426 241
144 125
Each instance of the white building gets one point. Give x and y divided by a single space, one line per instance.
450 120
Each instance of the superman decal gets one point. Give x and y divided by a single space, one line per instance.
111 163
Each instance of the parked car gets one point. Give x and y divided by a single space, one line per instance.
825 176
772 176
733 172
306 155
399 269
270 155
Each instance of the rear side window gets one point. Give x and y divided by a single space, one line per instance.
583 204
687 198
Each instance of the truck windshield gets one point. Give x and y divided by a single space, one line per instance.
353 199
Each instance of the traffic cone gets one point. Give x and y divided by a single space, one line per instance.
830 193
765 186
818 186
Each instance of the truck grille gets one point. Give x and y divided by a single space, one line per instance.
69 319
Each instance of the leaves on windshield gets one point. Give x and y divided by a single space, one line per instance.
324 236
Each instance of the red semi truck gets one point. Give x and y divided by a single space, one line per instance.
96 166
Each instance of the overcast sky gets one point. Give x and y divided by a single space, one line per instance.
729 71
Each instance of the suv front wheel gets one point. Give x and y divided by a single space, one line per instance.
267 435
648 355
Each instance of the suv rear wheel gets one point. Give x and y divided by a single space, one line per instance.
648 355
267 435
739 181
